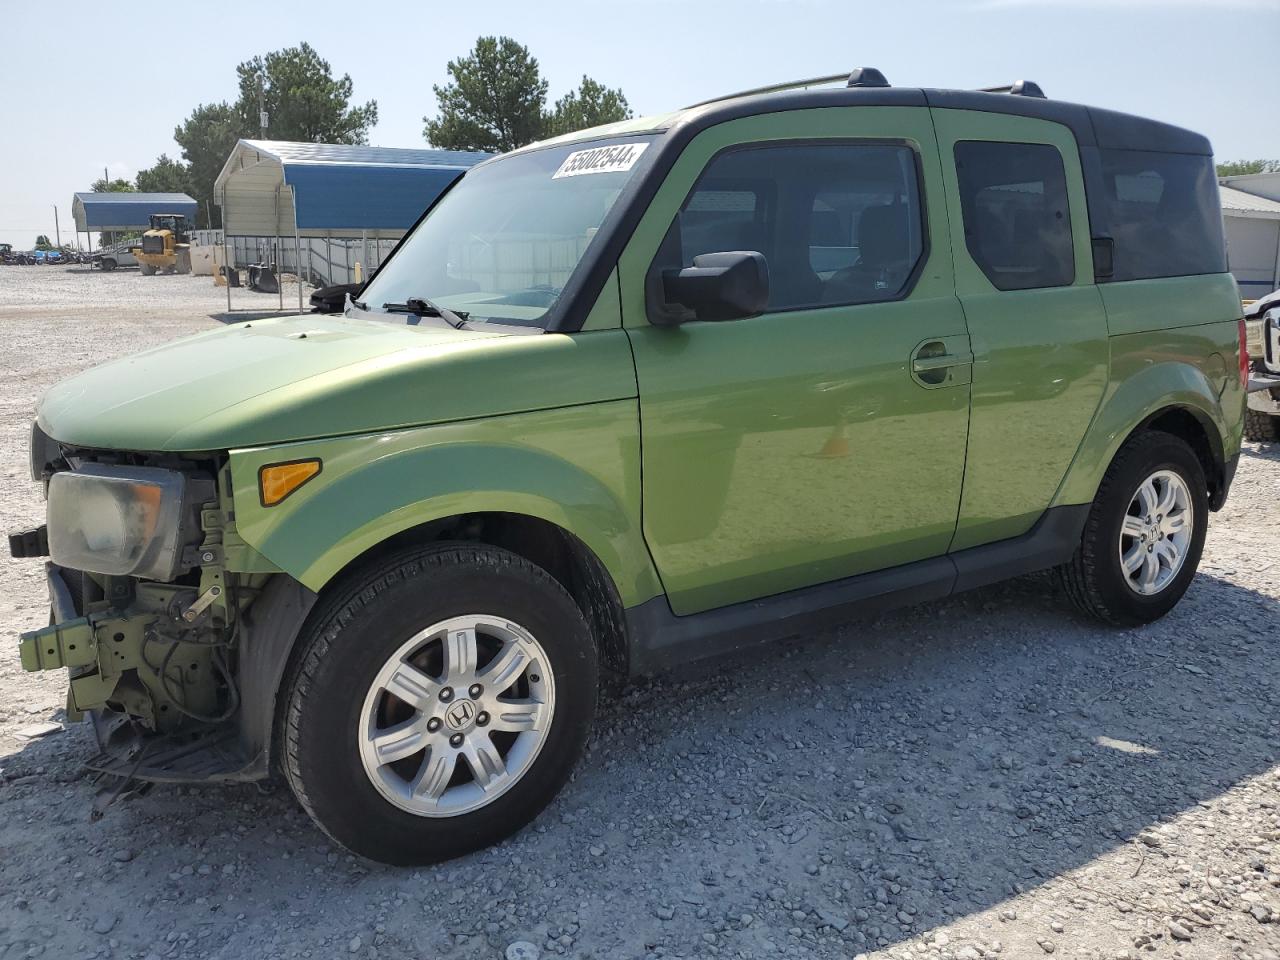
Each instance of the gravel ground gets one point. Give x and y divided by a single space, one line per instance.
989 776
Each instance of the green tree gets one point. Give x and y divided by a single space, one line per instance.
495 102
42 243
119 185
207 138
591 105
301 98
166 176
1237 168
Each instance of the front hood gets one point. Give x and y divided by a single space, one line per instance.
297 378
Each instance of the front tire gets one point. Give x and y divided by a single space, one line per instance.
1144 536
438 702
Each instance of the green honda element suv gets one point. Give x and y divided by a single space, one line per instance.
641 394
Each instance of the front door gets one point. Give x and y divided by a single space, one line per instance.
826 437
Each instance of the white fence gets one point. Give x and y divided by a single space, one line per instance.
323 261
520 263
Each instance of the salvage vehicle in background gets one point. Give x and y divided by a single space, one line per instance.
390 552
9 256
1262 418
119 255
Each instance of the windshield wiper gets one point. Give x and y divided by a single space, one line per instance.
422 307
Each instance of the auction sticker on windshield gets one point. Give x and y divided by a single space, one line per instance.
612 159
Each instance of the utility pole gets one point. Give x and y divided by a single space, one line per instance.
262 110
57 231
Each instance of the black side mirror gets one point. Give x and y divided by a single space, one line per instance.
719 286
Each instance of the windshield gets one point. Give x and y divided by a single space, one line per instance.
502 244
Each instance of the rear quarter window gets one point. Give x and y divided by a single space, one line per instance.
1163 213
1017 225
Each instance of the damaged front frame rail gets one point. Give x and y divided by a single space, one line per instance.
142 661
116 652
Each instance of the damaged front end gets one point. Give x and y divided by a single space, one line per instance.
148 616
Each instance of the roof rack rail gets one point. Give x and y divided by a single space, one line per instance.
859 77
1022 88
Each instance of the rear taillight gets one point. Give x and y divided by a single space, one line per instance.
1244 356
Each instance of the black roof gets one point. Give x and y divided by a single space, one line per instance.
1091 126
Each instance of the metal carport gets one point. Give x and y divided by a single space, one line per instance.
126 212
282 189
1252 225
278 188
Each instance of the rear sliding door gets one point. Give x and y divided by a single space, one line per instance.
1024 275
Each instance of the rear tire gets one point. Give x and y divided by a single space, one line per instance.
1261 427
147 270
107 264
1102 579
405 750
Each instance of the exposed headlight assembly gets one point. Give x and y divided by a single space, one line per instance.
120 521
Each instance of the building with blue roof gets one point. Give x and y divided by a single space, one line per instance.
275 188
126 212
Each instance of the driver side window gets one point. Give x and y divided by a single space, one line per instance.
838 223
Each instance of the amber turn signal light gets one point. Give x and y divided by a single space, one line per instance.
277 480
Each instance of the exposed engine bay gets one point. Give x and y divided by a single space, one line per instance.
146 617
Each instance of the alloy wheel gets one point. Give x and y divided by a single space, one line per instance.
457 715
1156 533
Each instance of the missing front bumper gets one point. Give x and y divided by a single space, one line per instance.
211 755
89 646
69 641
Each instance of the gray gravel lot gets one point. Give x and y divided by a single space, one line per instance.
990 776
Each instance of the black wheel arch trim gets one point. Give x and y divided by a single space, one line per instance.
269 636
1219 469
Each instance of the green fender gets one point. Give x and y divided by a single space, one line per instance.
576 467
1205 390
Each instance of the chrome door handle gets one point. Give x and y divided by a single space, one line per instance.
934 362
942 362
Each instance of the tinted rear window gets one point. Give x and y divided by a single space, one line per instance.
1017 225
1163 212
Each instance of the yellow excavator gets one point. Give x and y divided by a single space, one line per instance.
166 247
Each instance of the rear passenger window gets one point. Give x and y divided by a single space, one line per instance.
1162 211
838 223
1017 225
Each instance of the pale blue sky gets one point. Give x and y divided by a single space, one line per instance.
92 84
